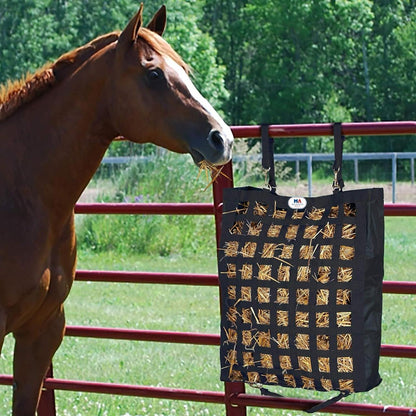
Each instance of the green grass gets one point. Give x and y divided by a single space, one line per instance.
182 308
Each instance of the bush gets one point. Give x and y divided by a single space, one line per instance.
166 178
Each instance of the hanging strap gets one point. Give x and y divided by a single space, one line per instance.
268 155
327 403
338 182
313 409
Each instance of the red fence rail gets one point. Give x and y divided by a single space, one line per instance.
234 397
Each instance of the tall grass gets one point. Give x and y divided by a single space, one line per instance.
167 178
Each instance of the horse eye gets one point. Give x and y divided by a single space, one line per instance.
155 74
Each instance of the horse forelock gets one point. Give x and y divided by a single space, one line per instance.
160 46
15 94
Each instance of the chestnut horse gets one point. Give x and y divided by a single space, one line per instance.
54 129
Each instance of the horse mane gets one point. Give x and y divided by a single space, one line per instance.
14 94
159 45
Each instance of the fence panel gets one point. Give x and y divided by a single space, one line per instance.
234 397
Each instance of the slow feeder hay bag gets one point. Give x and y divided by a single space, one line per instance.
301 285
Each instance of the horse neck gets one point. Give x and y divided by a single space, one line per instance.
65 133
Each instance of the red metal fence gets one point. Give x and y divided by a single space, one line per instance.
234 397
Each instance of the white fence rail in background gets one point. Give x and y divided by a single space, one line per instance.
309 158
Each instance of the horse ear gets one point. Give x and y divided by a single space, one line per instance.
129 34
158 22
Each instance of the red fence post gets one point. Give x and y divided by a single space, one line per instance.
47 399
225 180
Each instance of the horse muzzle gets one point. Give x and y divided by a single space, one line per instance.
217 149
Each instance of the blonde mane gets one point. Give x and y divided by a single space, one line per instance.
15 94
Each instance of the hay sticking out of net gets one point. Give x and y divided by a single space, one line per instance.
302 341
291 232
289 380
247 338
263 294
211 172
322 342
326 384
235 375
350 210
262 338
322 319
265 272
246 271
324 274
274 230
231 335
325 252
237 228
348 231
323 364
260 209
282 340
344 341
344 274
246 315
282 318
232 314
303 274
322 297
253 377
285 362
268 250
279 213
266 360
346 385
254 228
232 294
231 248
282 296
297 215
249 249
246 293
305 364
344 319
283 273
272 379
302 319
346 252
329 230
302 296
308 383
248 359
343 297
315 214
310 232
344 365
231 271
333 213
287 251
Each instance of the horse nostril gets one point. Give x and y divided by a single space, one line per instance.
216 139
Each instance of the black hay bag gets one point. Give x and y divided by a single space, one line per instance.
301 288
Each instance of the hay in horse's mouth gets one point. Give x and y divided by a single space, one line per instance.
210 170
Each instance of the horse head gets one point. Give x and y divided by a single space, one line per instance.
154 100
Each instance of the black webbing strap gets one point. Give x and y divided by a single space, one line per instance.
327 403
338 183
313 409
268 155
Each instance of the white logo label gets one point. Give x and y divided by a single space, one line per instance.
297 202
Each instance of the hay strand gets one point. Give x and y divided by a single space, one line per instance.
302 341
